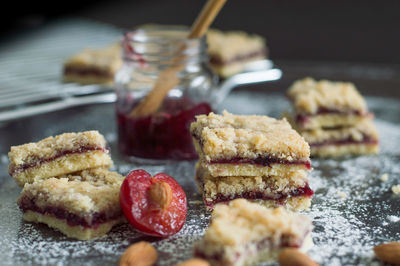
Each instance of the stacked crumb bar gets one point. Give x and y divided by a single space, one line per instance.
257 158
333 118
67 184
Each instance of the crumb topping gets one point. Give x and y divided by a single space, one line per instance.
241 222
227 45
247 136
309 96
52 146
85 192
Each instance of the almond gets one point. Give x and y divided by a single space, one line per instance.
161 194
194 262
388 252
139 254
292 256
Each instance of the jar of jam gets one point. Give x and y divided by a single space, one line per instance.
149 53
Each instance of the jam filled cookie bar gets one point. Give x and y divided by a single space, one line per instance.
326 104
243 233
94 66
230 51
83 205
333 118
253 157
54 156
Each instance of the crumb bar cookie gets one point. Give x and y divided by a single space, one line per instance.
262 141
54 156
230 51
94 66
326 104
243 233
333 118
291 191
82 205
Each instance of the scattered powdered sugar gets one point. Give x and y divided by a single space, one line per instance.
393 219
345 230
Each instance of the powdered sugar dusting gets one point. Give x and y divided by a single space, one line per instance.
346 229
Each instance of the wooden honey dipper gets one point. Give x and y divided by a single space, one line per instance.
168 78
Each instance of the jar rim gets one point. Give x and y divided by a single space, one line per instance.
154 43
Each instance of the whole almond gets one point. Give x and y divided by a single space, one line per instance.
292 256
388 252
194 262
161 194
139 254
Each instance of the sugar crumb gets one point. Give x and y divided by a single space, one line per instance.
384 177
393 219
342 194
396 189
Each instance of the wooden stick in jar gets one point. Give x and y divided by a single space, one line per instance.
168 78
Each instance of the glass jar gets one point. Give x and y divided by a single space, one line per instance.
164 134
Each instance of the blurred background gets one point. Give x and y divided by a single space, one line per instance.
356 41
355 31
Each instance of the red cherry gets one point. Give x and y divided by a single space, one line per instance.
153 205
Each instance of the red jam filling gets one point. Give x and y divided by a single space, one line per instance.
164 135
280 198
40 161
261 160
92 220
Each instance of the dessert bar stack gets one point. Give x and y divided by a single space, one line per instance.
67 184
230 51
243 233
333 118
253 157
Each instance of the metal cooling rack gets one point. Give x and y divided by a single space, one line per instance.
31 69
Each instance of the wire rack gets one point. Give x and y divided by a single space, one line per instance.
31 68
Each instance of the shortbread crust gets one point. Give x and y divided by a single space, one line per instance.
343 150
243 232
80 205
54 156
77 231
